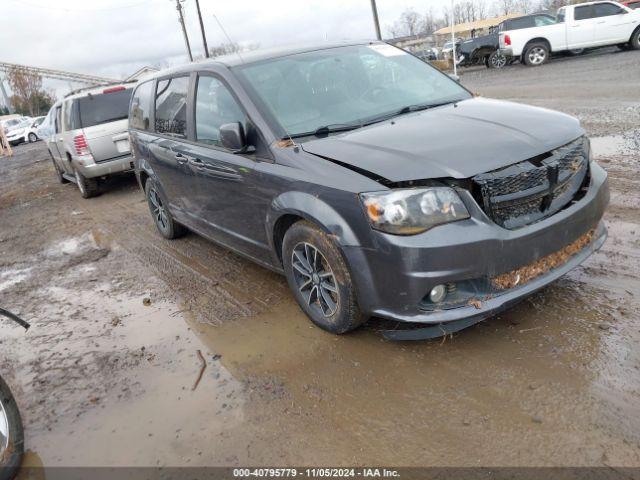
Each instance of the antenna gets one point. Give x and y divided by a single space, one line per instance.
228 37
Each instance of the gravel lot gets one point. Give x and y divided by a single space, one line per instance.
106 374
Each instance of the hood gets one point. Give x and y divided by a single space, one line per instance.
460 141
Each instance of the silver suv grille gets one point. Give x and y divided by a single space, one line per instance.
529 191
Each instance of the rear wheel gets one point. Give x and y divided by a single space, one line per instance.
635 40
319 279
88 187
536 54
158 205
11 434
496 60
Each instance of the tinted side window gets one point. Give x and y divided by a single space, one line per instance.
519 23
634 5
584 13
561 16
607 9
141 107
215 106
171 106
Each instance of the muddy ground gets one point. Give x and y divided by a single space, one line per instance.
106 375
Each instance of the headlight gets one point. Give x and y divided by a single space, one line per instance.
587 149
412 211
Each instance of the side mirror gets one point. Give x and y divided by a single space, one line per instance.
232 137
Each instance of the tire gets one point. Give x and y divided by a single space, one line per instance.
13 457
536 54
88 187
496 60
61 179
576 52
634 43
33 137
158 206
323 288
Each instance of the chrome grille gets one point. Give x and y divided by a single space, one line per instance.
529 191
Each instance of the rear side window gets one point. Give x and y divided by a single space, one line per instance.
215 106
607 9
103 108
171 106
634 5
141 107
519 23
584 13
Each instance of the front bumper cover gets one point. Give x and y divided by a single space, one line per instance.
393 278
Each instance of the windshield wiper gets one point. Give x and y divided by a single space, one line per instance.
408 109
327 129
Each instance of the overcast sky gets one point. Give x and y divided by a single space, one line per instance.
114 38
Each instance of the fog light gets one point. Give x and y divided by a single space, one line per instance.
437 293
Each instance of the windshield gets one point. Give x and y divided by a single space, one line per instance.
104 108
345 86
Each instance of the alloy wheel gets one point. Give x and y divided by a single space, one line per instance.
314 279
498 61
4 430
537 55
158 210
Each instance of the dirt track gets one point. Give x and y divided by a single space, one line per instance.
103 379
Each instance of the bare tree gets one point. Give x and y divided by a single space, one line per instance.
505 7
28 95
524 6
410 23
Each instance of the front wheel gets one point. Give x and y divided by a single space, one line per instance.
11 434
496 60
536 54
33 137
59 174
319 279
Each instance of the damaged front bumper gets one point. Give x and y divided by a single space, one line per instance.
393 280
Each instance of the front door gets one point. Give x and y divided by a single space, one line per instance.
167 151
613 24
229 192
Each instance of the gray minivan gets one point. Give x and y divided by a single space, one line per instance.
377 184
89 136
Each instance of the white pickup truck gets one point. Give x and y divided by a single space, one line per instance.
586 25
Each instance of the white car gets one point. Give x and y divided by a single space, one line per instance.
31 134
18 132
585 25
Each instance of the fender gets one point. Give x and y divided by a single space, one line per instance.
313 209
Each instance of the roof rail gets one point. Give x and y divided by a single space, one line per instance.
93 87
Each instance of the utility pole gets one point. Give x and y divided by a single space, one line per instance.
376 22
204 36
184 29
453 40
